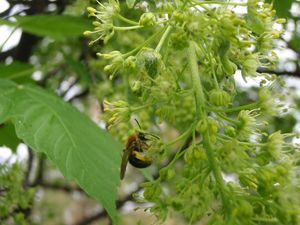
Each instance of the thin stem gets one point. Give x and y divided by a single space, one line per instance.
198 91
128 28
210 59
182 136
220 3
201 112
228 119
223 137
268 220
127 20
203 7
144 44
133 109
163 38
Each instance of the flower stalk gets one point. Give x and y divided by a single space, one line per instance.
201 113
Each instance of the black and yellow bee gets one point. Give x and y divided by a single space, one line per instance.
134 151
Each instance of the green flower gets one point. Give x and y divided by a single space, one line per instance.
130 63
147 19
179 40
219 97
149 60
117 62
275 144
267 103
194 155
117 112
104 32
105 14
250 65
247 124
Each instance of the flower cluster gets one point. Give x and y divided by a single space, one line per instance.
178 73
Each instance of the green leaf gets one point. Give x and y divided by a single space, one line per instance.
16 71
8 136
8 22
130 3
295 42
80 69
282 7
58 27
78 147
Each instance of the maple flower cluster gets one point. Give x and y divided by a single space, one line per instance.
172 65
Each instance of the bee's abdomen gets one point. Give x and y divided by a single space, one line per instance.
138 159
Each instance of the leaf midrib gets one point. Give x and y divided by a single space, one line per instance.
54 113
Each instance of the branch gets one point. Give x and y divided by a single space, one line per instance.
295 73
75 82
39 178
56 186
26 181
103 213
80 95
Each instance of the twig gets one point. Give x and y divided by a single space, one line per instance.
28 171
295 73
65 188
103 213
39 178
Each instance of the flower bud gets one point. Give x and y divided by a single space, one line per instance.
230 131
130 63
91 9
179 40
109 68
219 97
136 87
213 128
87 33
147 20
202 126
199 153
244 209
227 27
275 144
166 173
179 17
148 59
281 20
250 65
97 24
152 192
188 155
229 67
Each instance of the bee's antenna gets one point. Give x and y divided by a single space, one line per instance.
138 123
153 135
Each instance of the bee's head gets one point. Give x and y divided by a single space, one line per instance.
146 136
142 136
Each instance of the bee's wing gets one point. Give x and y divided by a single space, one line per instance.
125 157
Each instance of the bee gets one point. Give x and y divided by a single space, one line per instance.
134 151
